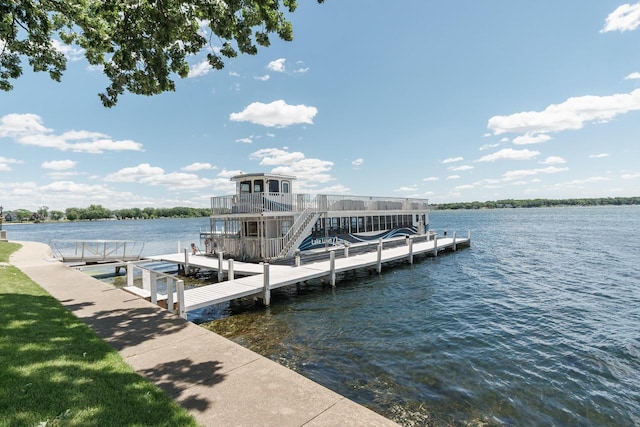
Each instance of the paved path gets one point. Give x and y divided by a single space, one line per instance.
218 381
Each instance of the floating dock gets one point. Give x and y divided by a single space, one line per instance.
260 279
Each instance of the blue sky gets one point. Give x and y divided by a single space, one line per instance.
451 101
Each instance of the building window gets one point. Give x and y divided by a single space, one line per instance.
258 186
285 186
274 186
245 187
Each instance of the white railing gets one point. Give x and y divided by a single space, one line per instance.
281 202
97 250
174 288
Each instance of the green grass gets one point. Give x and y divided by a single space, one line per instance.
7 249
55 371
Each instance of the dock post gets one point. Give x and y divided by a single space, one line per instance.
379 264
170 285
220 267
454 241
186 261
180 293
153 287
346 250
435 245
266 285
410 250
129 274
231 274
297 257
469 237
332 267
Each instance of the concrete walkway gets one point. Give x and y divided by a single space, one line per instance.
218 381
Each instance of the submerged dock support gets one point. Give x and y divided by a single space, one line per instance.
129 274
186 261
454 241
379 261
346 250
266 285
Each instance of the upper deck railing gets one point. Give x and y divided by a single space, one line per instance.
287 202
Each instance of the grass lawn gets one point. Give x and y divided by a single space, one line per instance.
55 371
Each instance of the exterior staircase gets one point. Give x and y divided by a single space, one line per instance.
298 231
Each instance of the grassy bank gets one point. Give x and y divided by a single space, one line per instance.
57 372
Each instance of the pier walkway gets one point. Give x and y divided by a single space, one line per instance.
218 381
262 278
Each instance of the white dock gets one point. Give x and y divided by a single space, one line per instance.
264 277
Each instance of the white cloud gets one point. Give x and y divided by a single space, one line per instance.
277 65
6 161
27 129
488 146
59 165
633 175
136 173
310 173
202 68
531 139
598 156
460 168
452 160
234 74
571 114
276 114
301 70
509 154
454 177
624 18
197 167
430 179
244 140
144 173
406 189
633 76
519 174
553 160
262 78
357 162
71 52
463 187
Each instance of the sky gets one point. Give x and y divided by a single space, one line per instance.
451 101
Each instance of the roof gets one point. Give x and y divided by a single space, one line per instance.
263 175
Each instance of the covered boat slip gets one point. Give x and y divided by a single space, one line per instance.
264 277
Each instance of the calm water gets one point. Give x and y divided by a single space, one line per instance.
538 323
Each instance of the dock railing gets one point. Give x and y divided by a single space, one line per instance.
174 288
281 202
96 251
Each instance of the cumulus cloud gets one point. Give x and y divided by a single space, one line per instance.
59 165
244 140
624 18
357 162
531 139
406 189
633 76
571 114
460 168
553 160
633 175
202 68
144 173
136 173
310 173
6 161
452 160
72 53
454 177
598 156
193 167
519 174
262 78
430 179
276 114
27 129
277 65
509 154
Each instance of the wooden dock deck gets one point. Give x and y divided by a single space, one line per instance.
261 278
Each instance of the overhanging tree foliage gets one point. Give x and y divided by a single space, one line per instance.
141 45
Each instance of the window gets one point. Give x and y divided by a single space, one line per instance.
274 186
285 186
251 229
258 186
245 187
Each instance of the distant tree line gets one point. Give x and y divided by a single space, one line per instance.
539 203
98 212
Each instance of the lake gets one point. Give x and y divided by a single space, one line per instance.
537 323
